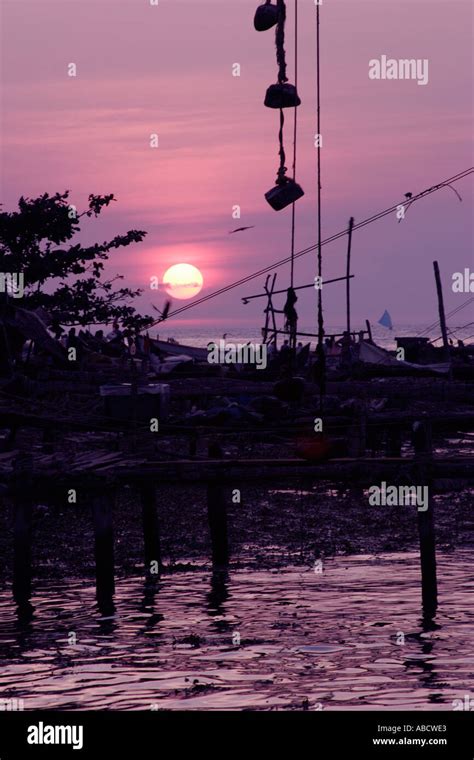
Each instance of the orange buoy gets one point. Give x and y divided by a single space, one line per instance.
314 449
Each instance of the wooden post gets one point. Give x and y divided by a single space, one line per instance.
22 532
442 319
393 440
357 433
426 526
102 509
22 528
217 515
134 398
369 330
348 275
151 530
267 312
6 350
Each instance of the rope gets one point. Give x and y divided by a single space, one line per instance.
295 130
320 348
280 42
342 233
281 61
282 169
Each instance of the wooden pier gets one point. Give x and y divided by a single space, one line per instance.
129 455
99 475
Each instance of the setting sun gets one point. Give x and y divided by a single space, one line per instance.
183 281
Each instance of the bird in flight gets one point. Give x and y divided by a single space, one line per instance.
241 229
163 314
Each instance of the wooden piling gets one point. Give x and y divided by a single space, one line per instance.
217 515
102 511
357 434
151 530
22 536
22 528
426 524
134 404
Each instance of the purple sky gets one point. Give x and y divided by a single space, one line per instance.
168 70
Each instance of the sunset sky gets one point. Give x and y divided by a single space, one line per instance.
167 69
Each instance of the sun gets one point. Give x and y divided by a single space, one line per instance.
183 281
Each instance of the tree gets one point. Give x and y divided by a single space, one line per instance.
64 277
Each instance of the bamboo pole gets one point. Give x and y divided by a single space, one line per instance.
442 318
348 274
298 287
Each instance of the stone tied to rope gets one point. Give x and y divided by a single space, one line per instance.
266 16
279 96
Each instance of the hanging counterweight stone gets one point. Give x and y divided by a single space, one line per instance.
266 16
284 194
282 95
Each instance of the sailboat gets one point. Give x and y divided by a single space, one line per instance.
386 320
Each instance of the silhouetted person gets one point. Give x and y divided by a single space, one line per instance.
319 368
116 335
290 312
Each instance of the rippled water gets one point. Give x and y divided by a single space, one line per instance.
327 640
